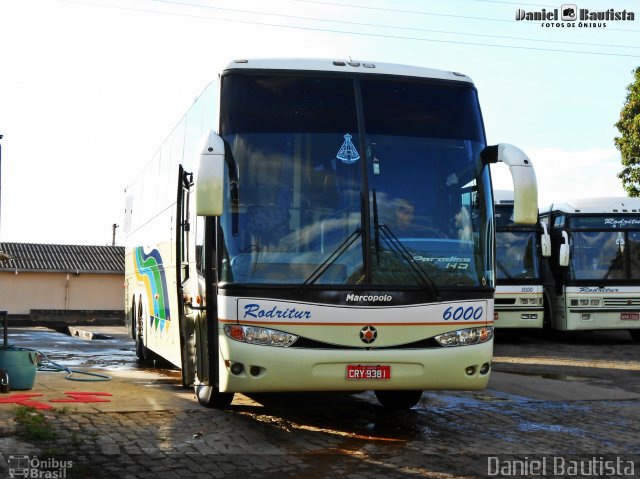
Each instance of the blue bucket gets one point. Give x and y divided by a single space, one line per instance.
20 365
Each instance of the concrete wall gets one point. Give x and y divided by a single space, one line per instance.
22 292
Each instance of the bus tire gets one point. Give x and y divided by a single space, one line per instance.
140 350
635 334
208 396
132 318
143 354
136 326
398 399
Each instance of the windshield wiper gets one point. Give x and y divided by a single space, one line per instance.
399 250
376 226
342 247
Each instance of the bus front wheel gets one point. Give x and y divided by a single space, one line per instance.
398 399
208 396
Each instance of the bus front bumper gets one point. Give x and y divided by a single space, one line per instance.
253 368
590 320
521 318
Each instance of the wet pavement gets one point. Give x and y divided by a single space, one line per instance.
562 401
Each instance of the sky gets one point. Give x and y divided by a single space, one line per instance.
89 89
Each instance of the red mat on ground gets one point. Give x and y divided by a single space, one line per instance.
83 397
25 399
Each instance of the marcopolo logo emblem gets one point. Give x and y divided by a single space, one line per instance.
372 298
368 334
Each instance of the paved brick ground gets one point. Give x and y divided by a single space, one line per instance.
575 398
450 435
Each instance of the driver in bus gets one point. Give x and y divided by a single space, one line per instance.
403 218
405 224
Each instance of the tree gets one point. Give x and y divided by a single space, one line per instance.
629 140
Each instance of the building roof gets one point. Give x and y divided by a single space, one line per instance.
61 258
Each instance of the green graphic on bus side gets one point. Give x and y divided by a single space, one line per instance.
149 270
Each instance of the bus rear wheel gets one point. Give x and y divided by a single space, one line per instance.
398 399
144 355
208 396
635 334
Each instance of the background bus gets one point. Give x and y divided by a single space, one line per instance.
333 232
520 249
596 264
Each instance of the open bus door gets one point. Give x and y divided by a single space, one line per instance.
189 304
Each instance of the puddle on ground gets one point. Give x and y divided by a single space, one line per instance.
468 400
170 378
64 351
114 359
540 427
90 336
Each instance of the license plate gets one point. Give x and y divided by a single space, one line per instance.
630 316
359 371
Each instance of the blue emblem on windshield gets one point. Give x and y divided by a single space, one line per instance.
348 153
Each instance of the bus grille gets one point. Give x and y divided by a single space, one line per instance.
621 302
505 301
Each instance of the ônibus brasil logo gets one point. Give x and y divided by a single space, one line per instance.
569 15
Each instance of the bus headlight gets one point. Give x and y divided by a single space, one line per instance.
262 336
465 337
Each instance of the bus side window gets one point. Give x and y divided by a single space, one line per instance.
558 222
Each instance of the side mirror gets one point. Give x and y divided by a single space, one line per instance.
545 241
209 180
525 186
564 250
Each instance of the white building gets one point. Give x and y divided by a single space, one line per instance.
61 281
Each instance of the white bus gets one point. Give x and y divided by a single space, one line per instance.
596 264
520 249
334 231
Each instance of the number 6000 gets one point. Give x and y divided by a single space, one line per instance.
462 313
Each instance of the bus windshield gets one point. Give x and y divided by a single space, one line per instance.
320 158
605 255
516 255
